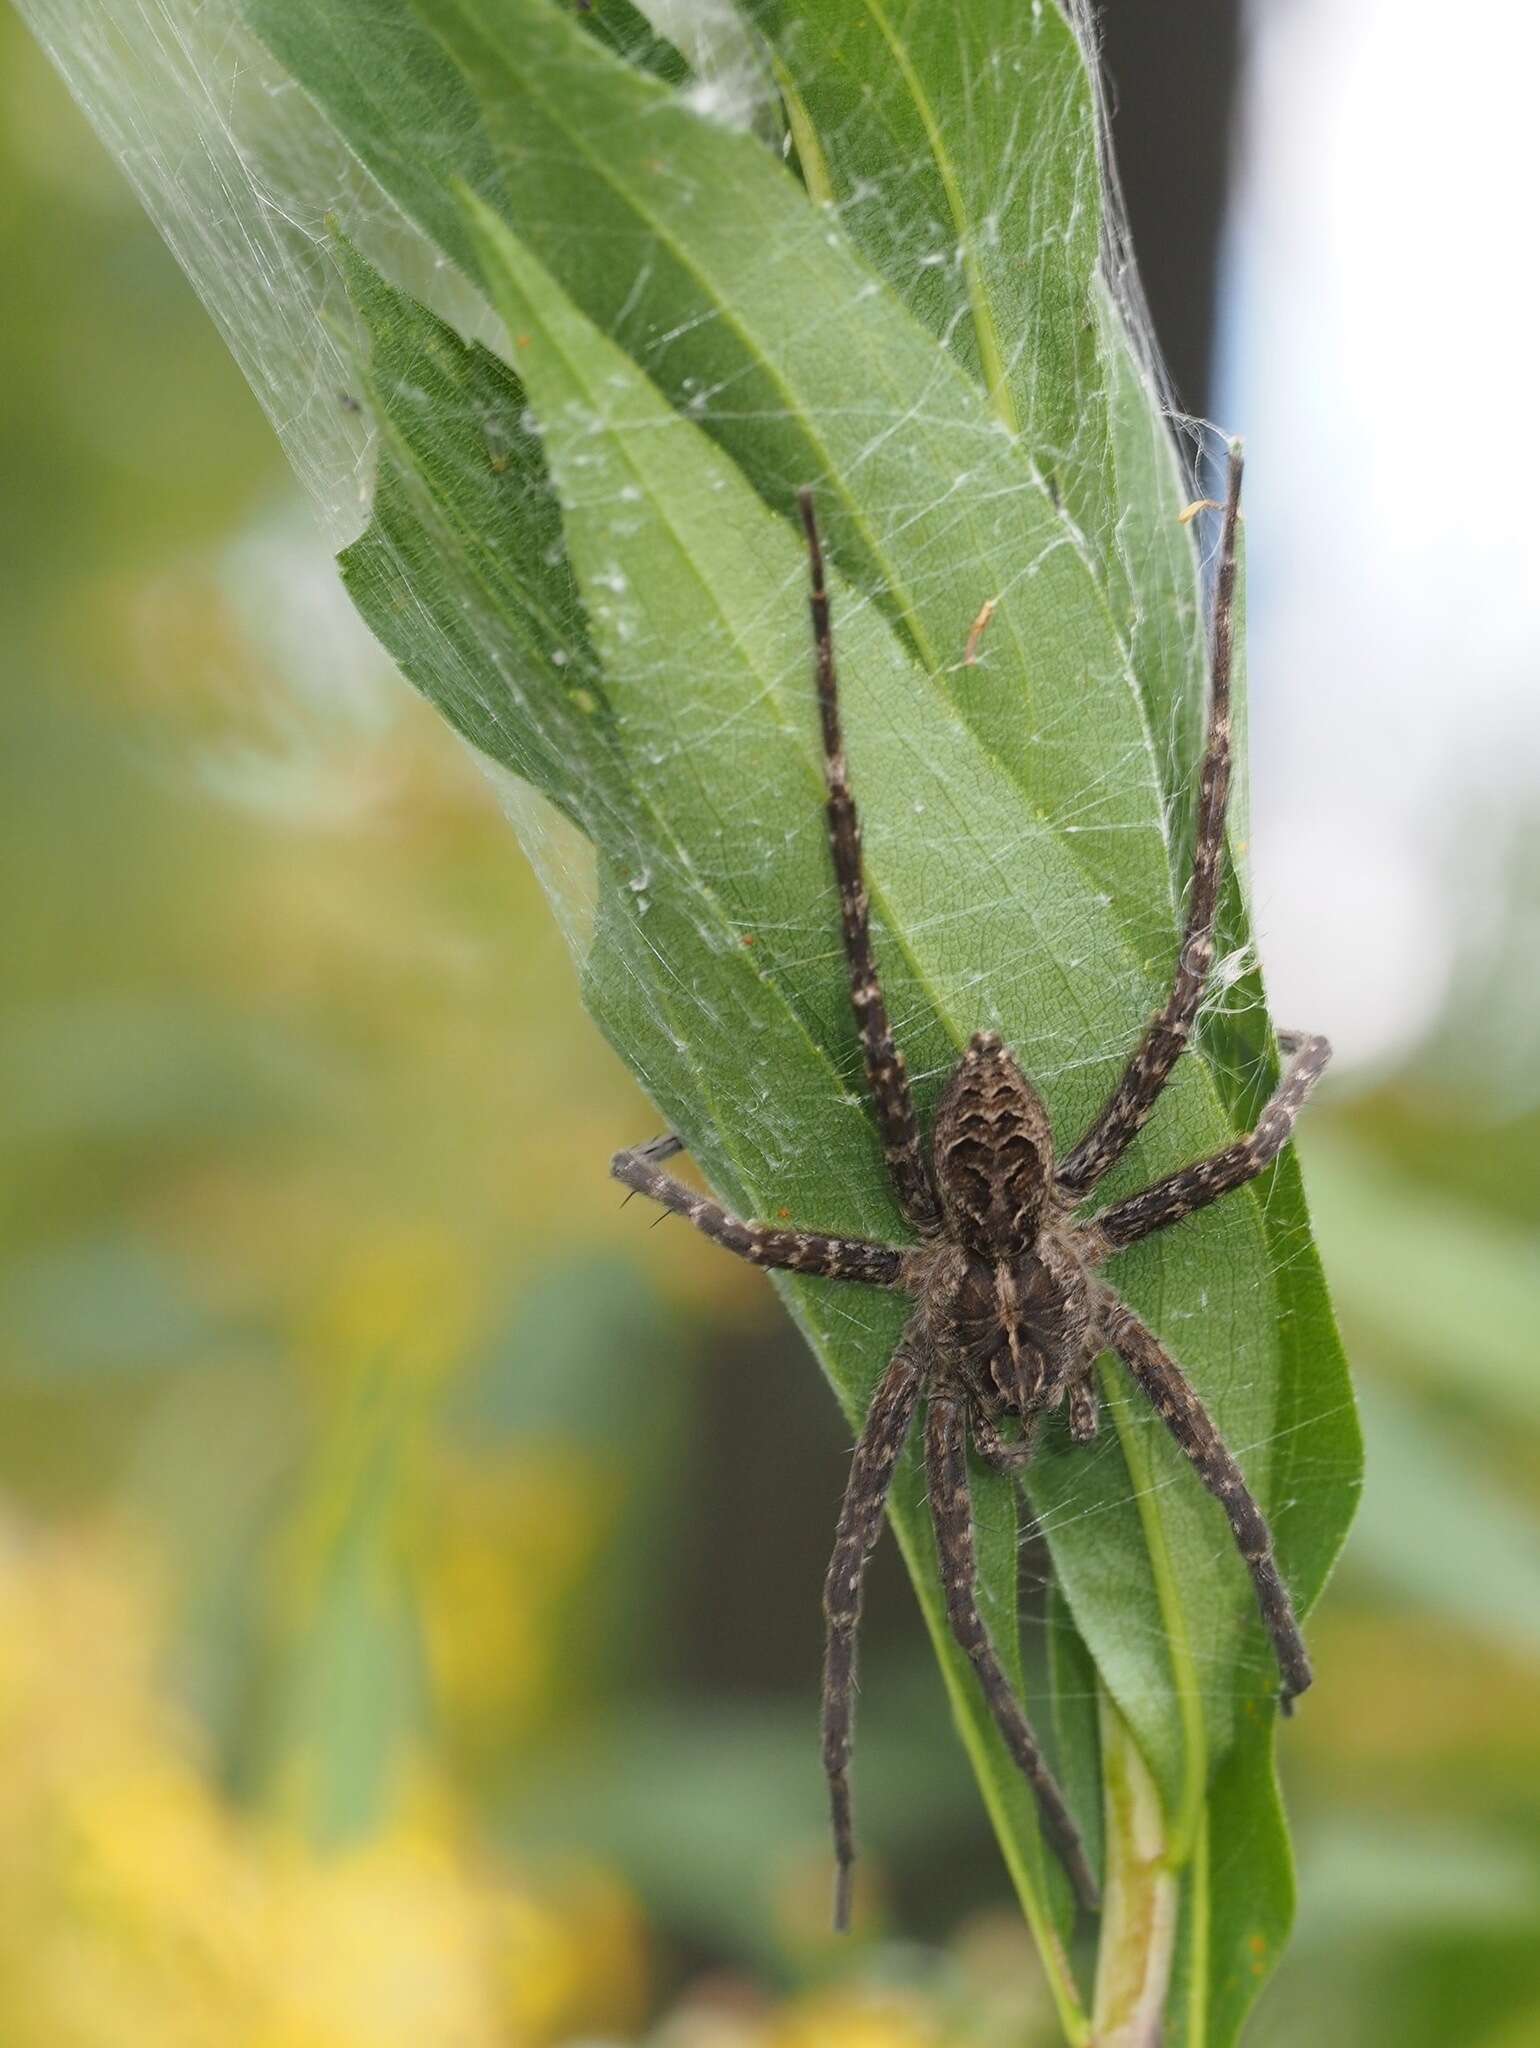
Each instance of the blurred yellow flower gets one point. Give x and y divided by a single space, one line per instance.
855 2018
575 1957
142 1906
405 1300
512 1538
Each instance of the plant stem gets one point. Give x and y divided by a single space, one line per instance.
1139 1914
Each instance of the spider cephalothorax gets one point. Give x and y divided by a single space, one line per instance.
1011 1312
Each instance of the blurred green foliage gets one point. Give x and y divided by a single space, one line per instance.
312 1285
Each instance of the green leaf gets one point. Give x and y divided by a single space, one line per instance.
960 147
698 252
693 339
1075 1694
627 32
460 571
962 150
1237 1896
394 96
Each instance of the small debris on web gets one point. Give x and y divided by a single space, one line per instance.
978 629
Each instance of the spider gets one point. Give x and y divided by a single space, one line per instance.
1011 1311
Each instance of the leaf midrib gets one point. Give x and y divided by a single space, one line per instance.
991 361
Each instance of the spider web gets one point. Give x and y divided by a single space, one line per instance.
950 346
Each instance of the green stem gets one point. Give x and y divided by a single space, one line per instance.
1139 1911
815 167
991 355
1198 1917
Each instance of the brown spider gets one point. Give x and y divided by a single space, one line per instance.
1011 1311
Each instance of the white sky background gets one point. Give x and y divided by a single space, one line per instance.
1380 354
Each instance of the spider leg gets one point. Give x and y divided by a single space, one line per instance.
1128 1107
886 1073
1010 1455
1194 1187
952 1511
1167 1388
788 1251
860 1523
1084 1406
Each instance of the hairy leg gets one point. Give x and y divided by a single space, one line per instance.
1084 1406
1166 1036
886 1074
1169 1393
1194 1187
788 1251
1011 1455
860 1523
952 1511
